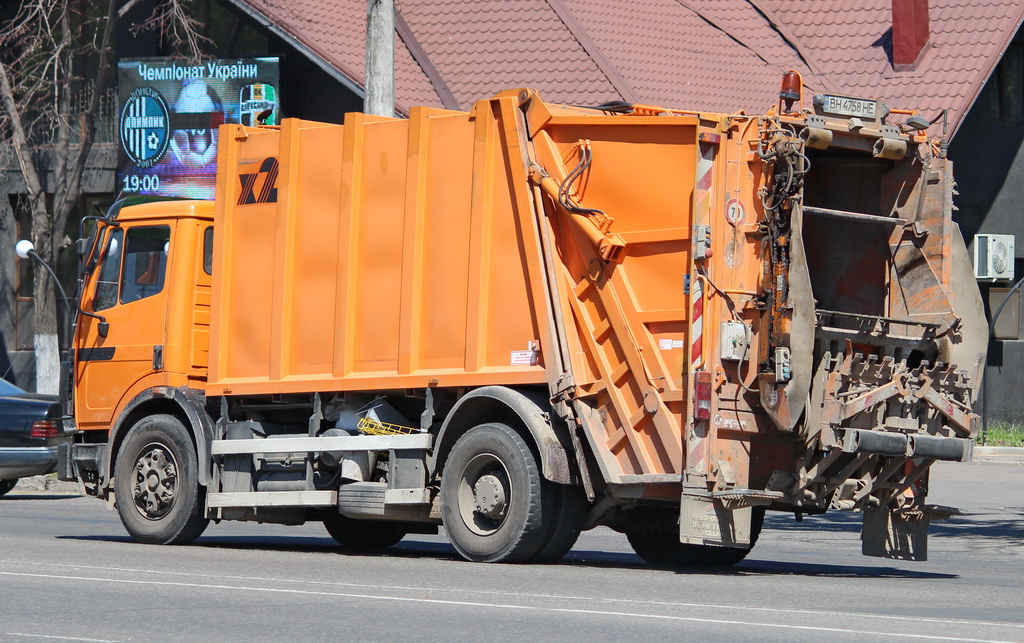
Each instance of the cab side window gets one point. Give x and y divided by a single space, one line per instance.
145 262
140 272
106 285
208 250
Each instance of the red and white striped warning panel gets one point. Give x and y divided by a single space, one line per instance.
697 324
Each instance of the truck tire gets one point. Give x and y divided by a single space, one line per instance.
7 485
491 496
362 535
661 547
564 529
156 483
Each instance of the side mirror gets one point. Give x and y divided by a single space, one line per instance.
103 328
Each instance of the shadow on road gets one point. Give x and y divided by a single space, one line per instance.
292 544
406 549
770 568
413 549
1006 527
1006 530
752 568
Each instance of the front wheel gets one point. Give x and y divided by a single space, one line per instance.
7 485
491 496
156 483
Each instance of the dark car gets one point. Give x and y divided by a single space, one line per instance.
30 430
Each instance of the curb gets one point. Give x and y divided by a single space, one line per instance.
48 484
998 454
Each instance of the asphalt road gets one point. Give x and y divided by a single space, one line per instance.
69 572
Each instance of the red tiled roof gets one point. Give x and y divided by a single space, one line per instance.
334 33
677 55
850 46
481 47
718 55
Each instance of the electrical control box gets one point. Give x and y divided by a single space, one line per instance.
734 341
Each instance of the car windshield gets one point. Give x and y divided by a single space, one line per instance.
6 388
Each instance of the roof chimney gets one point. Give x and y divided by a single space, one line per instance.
909 33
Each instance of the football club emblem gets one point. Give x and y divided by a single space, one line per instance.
144 127
253 100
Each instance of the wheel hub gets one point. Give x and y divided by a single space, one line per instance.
490 496
485 494
156 481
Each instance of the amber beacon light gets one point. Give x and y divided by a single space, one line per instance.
792 90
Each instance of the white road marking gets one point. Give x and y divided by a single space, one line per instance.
60 638
506 606
589 599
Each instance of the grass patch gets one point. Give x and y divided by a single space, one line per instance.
1003 434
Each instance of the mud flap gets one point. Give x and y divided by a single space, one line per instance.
703 521
901 534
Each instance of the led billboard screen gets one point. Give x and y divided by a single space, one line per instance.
168 113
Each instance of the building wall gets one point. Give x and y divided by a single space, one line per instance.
17 359
8 278
307 92
988 162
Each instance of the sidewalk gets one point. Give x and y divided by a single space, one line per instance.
45 484
999 454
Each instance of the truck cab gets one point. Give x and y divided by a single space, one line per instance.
147 308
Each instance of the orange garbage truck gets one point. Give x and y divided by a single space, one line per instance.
527 320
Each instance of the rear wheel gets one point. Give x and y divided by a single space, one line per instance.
362 535
491 496
659 545
566 524
7 485
156 483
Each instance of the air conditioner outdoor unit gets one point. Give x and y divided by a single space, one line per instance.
993 257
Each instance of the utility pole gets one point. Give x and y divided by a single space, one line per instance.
380 58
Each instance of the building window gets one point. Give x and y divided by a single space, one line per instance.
1007 98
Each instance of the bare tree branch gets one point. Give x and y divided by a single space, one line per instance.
173 23
19 139
62 208
128 6
49 110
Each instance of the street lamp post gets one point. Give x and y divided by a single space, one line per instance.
27 250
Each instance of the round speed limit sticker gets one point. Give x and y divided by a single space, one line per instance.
734 212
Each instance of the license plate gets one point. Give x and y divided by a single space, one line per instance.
844 106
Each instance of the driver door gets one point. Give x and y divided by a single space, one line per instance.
128 290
